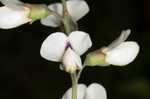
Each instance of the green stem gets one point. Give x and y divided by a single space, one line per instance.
74 86
66 19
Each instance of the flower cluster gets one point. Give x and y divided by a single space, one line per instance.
67 48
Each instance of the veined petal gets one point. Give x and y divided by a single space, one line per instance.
56 7
95 91
80 41
123 54
10 18
80 92
52 20
77 9
53 46
71 61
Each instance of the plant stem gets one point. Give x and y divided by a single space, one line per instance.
74 85
66 19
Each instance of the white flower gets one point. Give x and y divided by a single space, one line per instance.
93 91
121 52
13 14
76 8
60 48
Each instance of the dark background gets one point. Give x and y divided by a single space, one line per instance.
25 75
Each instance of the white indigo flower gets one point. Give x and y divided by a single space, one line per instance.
93 91
121 52
66 49
76 9
13 14
118 53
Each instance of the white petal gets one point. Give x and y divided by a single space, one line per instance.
123 54
123 36
14 4
80 92
80 41
77 9
95 91
71 61
52 20
10 18
56 7
53 46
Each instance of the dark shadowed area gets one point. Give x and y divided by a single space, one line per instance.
25 75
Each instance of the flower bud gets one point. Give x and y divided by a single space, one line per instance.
71 61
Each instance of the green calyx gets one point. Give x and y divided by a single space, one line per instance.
37 11
96 58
